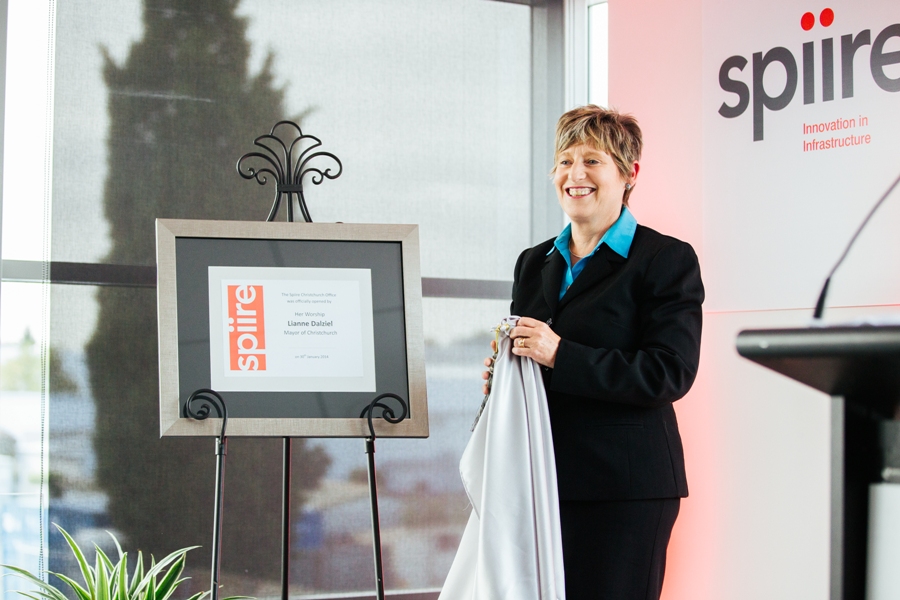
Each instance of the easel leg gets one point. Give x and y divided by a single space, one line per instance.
286 519
376 527
221 449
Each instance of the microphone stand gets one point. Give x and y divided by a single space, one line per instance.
820 303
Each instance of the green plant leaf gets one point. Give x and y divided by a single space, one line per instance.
80 591
137 576
102 588
151 586
122 575
28 595
174 587
36 595
200 595
39 595
170 580
106 561
114 581
47 589
118 547
149 580
86 570
156 568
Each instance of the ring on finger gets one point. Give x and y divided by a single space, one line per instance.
521 342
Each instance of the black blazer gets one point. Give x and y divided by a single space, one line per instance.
630 347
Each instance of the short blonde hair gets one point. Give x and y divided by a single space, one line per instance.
603 129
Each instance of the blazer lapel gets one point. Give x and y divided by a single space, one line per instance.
600 266
552 275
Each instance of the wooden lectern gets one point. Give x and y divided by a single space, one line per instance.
859 367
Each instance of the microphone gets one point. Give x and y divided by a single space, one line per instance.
820 303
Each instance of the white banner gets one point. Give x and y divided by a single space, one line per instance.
801 136
291 329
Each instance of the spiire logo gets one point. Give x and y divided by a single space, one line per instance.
850 44
246 328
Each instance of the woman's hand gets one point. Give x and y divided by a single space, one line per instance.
536 340
486 375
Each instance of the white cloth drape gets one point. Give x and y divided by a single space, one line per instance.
511 548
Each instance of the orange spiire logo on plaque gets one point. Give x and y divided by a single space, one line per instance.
246 328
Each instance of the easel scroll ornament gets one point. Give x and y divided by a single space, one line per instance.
288 164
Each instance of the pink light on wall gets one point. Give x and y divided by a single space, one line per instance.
654 73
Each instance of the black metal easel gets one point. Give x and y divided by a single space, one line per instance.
288 164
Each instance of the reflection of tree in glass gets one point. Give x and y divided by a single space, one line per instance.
182 108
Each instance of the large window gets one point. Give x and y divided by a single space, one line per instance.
128 111
598 53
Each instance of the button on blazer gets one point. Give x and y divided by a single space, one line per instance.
630 347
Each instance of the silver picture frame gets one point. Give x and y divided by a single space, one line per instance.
173 422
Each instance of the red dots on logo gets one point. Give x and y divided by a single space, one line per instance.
808 20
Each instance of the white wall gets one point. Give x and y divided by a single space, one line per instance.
757 444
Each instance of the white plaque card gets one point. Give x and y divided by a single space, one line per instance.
291 329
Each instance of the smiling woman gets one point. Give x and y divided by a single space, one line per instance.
590 190
611 311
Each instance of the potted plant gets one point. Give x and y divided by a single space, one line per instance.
108 581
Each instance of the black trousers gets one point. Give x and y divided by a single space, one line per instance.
616 550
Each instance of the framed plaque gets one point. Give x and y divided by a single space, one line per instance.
299 326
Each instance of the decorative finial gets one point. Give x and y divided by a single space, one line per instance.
286 156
